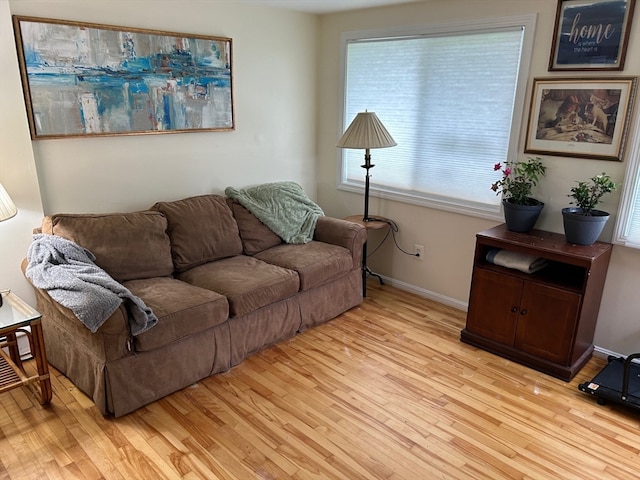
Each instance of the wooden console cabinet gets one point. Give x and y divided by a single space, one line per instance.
545 320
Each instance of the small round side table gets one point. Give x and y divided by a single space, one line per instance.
377 223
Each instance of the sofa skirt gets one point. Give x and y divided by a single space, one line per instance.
326 302
121 385
144 377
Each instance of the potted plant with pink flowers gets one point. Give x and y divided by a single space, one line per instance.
521 210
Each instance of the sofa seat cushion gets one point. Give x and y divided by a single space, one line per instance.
126 245
202 229
316 262
247 282
182 310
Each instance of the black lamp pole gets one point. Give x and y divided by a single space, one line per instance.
367 165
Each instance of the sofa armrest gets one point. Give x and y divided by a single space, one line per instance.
111 341
344 234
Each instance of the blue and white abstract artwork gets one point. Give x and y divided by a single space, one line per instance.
89 79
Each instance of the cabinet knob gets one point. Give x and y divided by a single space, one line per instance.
523 311
514 309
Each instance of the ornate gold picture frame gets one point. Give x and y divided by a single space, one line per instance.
580 117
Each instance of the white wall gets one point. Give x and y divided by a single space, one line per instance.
17 168
283 63
274 64
449 238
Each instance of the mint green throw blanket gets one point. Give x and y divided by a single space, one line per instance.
281 206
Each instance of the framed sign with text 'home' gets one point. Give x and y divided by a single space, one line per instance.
591 34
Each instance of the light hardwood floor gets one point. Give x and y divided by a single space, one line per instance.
386 391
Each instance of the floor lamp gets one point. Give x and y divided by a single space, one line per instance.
7 211
366 131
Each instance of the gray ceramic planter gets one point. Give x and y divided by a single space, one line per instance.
521 218
583 229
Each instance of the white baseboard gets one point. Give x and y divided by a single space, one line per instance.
436 297
23 346
464 306
604 353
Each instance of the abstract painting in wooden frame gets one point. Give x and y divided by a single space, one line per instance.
86 79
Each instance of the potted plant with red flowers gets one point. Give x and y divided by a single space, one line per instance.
521 210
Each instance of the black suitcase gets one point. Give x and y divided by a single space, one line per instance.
618 381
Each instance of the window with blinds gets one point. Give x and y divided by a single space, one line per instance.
627 230
452 99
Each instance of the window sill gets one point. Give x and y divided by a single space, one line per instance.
448 205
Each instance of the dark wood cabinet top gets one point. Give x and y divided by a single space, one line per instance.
541 243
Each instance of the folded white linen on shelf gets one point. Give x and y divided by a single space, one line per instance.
518 261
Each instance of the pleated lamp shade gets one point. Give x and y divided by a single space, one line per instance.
7 208
366 131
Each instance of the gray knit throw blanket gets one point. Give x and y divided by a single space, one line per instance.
69 275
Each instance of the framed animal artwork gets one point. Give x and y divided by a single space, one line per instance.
580 117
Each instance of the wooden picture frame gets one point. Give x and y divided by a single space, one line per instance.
87 80
580 117
591 35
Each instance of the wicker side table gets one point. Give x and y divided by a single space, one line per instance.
15 316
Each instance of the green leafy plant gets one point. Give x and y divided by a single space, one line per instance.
518 179
587 195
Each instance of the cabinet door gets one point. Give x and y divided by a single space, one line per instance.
493 305
547 322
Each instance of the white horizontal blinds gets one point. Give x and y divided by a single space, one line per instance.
627 231
632 233
448 102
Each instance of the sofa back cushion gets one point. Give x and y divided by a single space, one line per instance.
255 235
127 246
202 229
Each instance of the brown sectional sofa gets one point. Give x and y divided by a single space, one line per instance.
221 284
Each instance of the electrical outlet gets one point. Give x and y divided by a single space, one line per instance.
419 252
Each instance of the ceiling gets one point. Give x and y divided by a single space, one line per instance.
324 6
